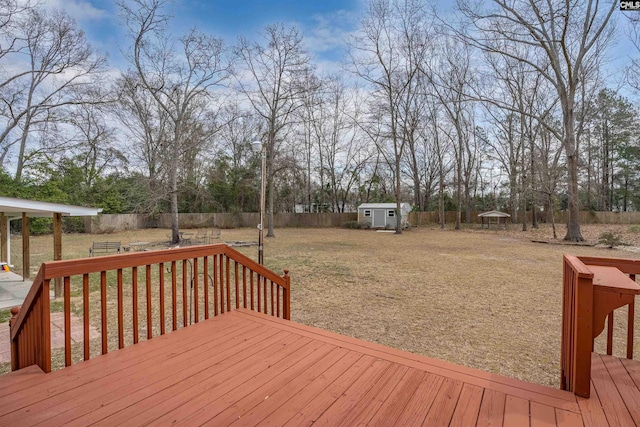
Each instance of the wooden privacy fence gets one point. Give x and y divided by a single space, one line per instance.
593 288
110 223
585 217
117 222
140 295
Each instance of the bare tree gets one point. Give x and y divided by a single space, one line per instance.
60 69
343 151
387 54
567 38
178 79
92 144
450 75
273 69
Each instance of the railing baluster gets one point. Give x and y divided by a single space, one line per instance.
264 289
149 309
205 285
630 320
174 296
610 334
134 299
221 284
630 323
286 296
161 296
67 321
259 279
103 309
244 286
251 284
272 311
120 309
278 299
235 265
228 284
184 293
194 277
215 285
85 315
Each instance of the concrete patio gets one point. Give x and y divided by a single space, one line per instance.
13 289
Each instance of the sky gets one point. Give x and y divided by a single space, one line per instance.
324 23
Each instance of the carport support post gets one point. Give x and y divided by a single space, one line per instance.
4 237
25 247
57 249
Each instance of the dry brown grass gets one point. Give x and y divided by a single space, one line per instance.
484 299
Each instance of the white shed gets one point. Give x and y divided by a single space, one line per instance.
383 215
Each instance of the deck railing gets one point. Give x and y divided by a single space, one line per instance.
581 321
126 295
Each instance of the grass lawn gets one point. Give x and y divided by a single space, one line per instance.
485 299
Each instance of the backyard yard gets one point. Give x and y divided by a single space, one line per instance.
487 299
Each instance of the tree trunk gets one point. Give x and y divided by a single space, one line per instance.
271 191
173 177
573 226
23 139
534 214
398 211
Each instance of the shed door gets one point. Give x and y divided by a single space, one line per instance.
379 219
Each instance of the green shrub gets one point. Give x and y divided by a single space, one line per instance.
610 239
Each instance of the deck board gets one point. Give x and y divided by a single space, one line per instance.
612 403
591 410
289 366
625 386
441 410
243 368
516 412
492 409
542 415
420 402
272 395
211 383
394 405
468 407
85 398
293 403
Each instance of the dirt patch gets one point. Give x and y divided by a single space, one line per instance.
488 299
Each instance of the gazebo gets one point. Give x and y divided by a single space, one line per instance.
12 209
494 214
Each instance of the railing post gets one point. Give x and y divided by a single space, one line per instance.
577 326
14 346
286 294
583 338
45 353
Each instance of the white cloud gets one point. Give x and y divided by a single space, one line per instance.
80 10
330 31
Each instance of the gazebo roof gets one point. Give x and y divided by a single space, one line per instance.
494 214
32 208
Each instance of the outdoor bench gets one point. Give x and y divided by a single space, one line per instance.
104 248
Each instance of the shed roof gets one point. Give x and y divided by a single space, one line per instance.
494 214
382 205
32 208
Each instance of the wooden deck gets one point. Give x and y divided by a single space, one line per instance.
245 368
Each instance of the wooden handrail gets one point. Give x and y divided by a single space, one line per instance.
626 265
203 280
